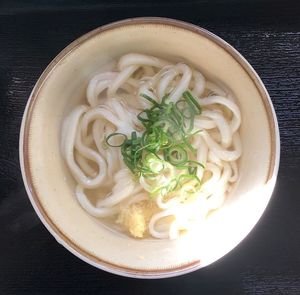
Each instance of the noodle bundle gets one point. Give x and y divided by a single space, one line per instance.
94 136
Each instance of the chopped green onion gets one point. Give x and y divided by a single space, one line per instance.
176 155
149 98
114 135
192 101
166 139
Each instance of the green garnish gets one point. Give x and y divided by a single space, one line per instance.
166 139
116 134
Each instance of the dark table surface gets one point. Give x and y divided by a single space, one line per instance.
265 32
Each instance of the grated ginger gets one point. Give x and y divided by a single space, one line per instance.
135 218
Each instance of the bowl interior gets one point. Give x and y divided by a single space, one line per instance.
63 85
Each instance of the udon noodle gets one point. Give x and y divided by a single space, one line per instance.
107 188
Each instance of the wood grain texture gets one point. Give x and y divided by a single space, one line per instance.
265 32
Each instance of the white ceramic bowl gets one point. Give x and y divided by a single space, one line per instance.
51 188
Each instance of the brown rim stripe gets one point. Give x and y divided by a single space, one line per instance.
70 48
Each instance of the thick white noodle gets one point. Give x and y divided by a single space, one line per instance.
199 83
70 131
140 60
222 125
91 209
114 101
236 120
98 84
121 78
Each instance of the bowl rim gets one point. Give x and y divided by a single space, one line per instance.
24 149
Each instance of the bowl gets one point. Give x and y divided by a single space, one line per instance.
50 186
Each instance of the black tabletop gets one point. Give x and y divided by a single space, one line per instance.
265 32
